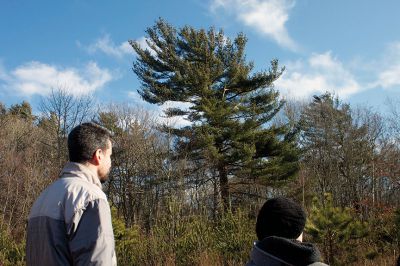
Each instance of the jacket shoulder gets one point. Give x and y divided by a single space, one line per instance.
64 197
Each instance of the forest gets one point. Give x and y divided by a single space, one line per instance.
185 188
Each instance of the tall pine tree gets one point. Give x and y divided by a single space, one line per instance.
231 106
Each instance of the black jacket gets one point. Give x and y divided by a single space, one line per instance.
278 251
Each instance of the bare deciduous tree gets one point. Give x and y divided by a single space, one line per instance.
60 112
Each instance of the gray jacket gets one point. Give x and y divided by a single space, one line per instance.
70 222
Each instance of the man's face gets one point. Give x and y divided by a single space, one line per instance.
105 164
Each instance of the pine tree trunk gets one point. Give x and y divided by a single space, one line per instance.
224 187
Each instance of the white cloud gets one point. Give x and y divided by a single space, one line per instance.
39 78
106 45
126 48
266 16
144 45
177 121
320 73
3 73
389 76
133 95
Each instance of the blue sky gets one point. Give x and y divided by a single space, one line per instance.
351 48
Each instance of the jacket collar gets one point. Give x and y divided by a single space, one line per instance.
282 251
78 170
261 257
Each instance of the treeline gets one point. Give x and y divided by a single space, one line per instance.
167 208
189 194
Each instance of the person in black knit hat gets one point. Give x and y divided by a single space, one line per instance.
279 229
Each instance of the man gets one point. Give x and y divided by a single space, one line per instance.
70 222
279 229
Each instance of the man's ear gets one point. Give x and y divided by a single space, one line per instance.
97 156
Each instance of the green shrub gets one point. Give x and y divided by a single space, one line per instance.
11 252
233 237
186 240
336 230
130 246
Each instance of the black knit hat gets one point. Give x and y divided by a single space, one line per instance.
280 217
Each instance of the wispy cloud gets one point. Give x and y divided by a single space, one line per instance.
268 17
143 43
159 111
3 73
107 46
39 78
177 121
389 76
320 73
323 72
